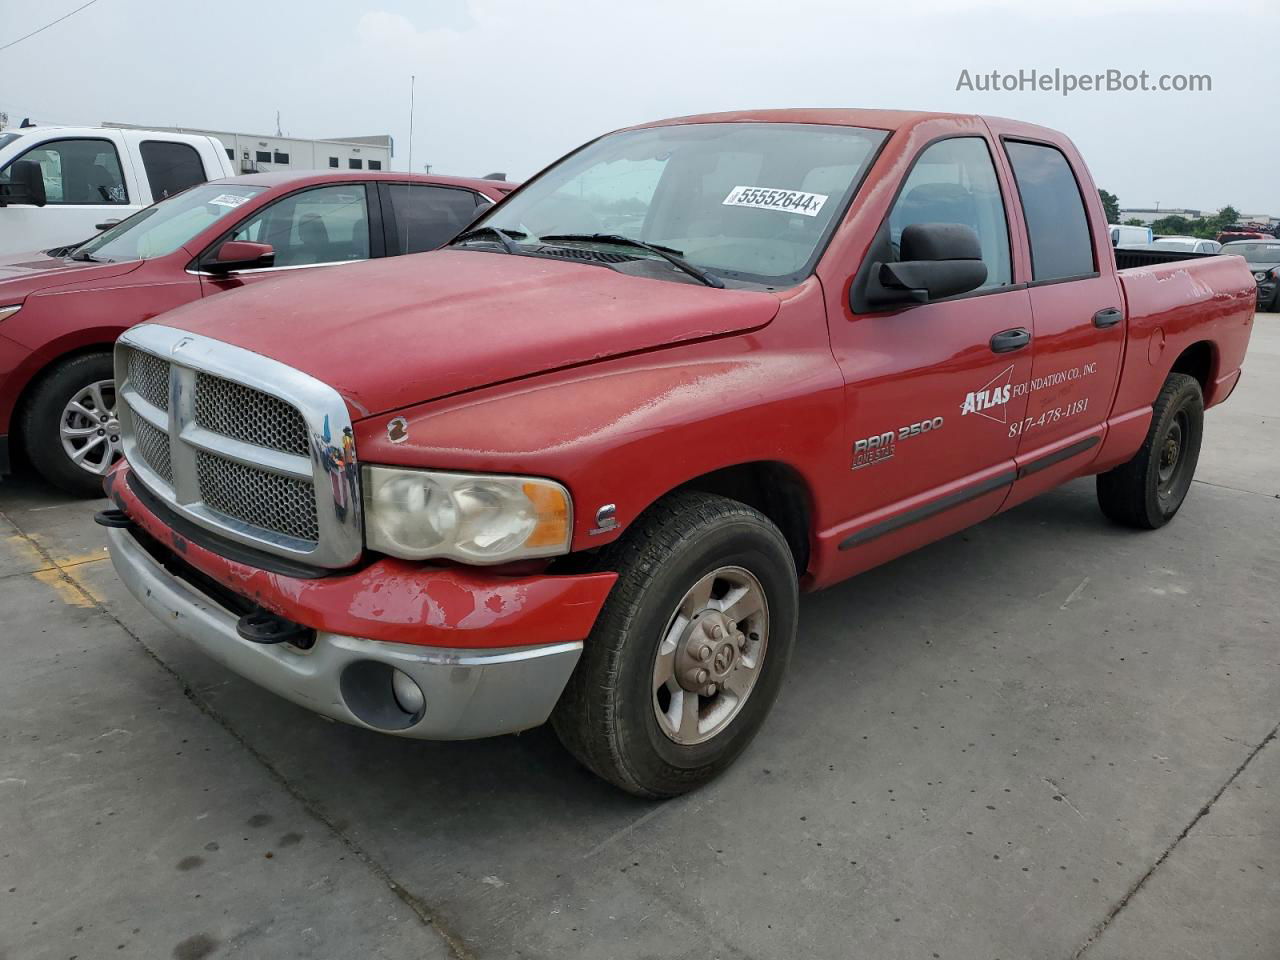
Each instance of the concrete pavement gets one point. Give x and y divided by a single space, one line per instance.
1045 737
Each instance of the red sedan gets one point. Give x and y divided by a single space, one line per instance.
60 315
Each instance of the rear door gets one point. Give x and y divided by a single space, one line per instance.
170 167
1077 316
422 216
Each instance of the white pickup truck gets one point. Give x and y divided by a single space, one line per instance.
59 184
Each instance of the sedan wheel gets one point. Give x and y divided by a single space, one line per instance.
89 430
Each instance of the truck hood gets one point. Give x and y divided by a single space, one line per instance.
388 334
22 274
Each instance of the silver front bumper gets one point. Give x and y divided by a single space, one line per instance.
467 693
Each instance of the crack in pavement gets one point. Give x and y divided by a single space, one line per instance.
456 946
1227 486
1132 892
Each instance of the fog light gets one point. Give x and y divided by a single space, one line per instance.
407 693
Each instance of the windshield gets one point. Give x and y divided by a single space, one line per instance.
749 201
1255 252
1175 244
165 226
8 138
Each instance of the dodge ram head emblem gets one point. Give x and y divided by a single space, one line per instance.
398 430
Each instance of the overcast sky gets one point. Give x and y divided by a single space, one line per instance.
511 84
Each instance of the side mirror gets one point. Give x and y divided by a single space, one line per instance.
26 184
937 260
240 255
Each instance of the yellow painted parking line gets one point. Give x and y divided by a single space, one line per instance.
73 593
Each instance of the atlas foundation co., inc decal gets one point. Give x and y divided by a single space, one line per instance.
991 400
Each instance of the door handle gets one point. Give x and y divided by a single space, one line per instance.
1108 317
1007 341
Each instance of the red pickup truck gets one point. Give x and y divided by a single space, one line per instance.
61 310
580 464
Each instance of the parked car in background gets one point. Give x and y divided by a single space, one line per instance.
1263 257
60 314
559 471
1227 236
60 185
1127 235
1186 244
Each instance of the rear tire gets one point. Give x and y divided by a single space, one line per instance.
1147 491
703 582
54 429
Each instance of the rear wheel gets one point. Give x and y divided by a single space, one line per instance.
689 652
70 431
1147 491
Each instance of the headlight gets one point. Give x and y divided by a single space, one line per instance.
1257 276
474 518
9 311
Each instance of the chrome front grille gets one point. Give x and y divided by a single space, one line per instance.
258 497
242 445
154 447
150 377
249 415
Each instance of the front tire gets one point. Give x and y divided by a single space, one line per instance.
690 649
70 432
1147 491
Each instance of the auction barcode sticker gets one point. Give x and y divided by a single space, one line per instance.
229 200
769 198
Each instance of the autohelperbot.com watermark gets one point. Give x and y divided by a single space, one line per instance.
1065 82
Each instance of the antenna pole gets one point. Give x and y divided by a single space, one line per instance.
412 78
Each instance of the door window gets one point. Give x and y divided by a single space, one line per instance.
427 216
77 172
954 181
171 167
1054 210
324 225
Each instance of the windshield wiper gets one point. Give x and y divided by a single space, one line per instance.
670 254
84 257
505 237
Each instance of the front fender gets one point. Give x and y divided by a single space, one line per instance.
628 431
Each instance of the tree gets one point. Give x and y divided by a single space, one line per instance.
1111 205
1228 215
1174 226
1134 222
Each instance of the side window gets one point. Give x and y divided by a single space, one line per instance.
78 172
954 181
427 216
1051 203
170 167
324 225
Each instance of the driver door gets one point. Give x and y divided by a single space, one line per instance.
318 227
932 389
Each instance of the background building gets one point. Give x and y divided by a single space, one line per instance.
259 153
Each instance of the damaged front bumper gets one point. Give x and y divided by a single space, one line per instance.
448 637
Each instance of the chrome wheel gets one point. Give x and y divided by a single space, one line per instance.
710 655
89 430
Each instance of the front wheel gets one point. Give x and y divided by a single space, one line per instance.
1147 491
690 650
70 430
